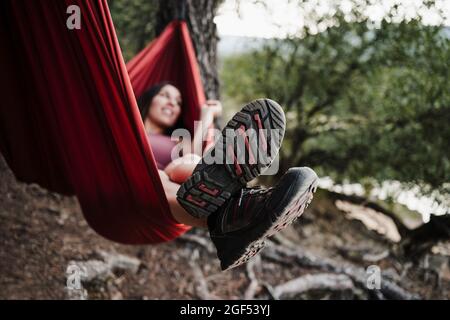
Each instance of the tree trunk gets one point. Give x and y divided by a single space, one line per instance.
199 15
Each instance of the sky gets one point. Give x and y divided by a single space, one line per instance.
279 18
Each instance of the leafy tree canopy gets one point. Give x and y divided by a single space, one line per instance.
364 101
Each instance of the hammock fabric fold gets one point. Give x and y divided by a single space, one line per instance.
171 57
69 119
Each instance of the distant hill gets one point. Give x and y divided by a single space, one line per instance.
230 45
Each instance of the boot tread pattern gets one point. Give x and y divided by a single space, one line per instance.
208 188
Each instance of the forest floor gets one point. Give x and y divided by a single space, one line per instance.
43 234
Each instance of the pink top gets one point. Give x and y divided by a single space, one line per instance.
162 147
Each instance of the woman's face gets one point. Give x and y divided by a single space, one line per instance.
165 107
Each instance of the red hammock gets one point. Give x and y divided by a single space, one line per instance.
69 119
171 57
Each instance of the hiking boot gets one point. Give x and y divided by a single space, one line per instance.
256 135
239 229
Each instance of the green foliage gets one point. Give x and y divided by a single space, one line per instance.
134 21
362 102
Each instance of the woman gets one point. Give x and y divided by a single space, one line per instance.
215 195
160 108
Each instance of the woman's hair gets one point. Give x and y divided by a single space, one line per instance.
145 100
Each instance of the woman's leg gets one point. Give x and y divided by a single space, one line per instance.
178 212
176 173
181 169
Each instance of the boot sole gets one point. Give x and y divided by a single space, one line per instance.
294 209
211 185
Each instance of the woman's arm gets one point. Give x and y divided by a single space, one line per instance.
210 110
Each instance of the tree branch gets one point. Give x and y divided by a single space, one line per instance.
389 289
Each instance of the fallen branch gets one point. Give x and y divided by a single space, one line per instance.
200 285
288 256
375 257
362 254
102 270
281 240
254 284
402 229
389 289
323 281
206 244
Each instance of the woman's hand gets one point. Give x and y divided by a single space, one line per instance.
212 106
210 110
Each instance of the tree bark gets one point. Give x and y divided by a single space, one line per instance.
199 15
